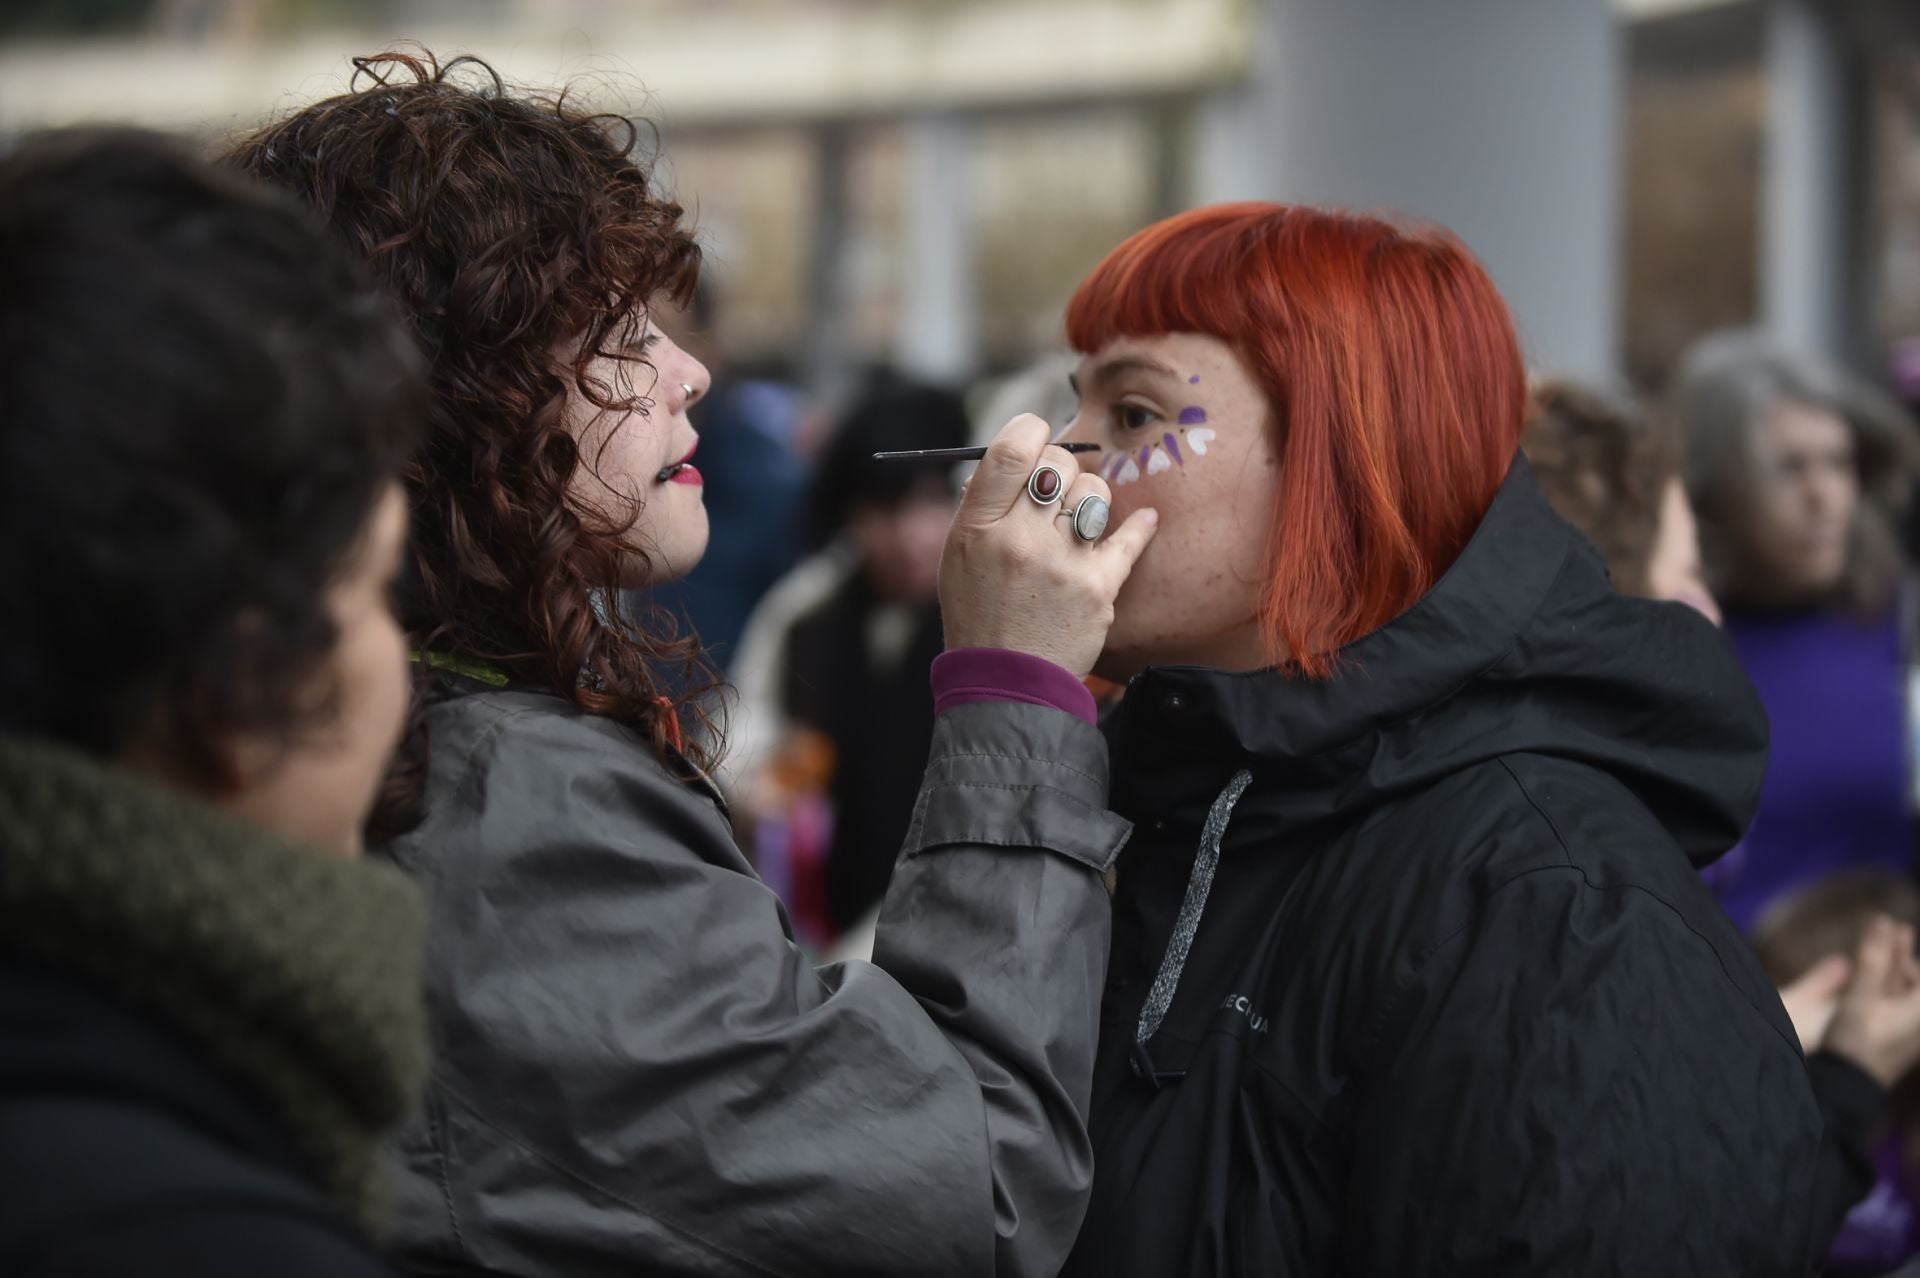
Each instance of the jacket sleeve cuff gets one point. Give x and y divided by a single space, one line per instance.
1008 775
969 675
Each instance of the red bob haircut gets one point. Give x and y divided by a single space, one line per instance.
1395 381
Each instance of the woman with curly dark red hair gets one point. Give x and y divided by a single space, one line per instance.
1413 972
637 1069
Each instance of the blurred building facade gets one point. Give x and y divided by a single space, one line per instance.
921 183
1773 178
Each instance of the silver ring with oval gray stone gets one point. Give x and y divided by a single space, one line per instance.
1089 517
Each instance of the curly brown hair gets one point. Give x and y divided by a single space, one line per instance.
525 241
1605 468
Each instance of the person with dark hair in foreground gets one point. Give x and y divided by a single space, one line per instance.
637 1069
210 1009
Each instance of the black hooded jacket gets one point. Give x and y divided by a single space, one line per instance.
1450 997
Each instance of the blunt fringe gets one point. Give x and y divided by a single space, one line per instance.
1393 376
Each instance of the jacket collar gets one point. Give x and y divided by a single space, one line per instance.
1522 645
1459 628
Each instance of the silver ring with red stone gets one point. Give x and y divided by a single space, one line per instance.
1047 485
1089 516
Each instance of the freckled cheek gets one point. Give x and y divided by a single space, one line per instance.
1171 590
1127 498
1166 497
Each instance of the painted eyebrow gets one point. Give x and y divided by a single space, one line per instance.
1110 369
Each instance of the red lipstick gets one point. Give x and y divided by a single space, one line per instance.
682 471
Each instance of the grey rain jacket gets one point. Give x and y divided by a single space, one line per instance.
638 1072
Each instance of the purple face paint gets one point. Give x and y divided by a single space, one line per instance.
1173 450
1194 380
1111 465
1146 453
1192 415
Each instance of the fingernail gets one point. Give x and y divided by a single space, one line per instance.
1150 515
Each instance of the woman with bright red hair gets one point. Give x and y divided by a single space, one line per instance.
1412 970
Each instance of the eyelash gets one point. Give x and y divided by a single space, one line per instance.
642 344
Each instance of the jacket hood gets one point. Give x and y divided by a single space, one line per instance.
1521 647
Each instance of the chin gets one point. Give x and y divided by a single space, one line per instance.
1117 665
1134 642
657 566
1232 647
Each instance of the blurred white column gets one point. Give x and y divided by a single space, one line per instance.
828 359
1499 118
1804 211
935 338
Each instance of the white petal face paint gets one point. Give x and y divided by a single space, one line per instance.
1121 467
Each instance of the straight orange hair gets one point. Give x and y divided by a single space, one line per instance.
1393 376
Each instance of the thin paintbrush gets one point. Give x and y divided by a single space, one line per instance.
965 454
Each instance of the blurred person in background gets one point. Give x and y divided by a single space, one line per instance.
1863 1047
756 479
1903 376
1039 387
637 1070
1612 473
1413 972
1799 476
850 670
210 1002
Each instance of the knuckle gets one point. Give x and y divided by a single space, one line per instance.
1024 433
1017 552
1089 590
1002 454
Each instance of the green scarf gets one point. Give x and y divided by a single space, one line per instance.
298 971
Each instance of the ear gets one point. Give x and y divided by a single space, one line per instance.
232 760
180 755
